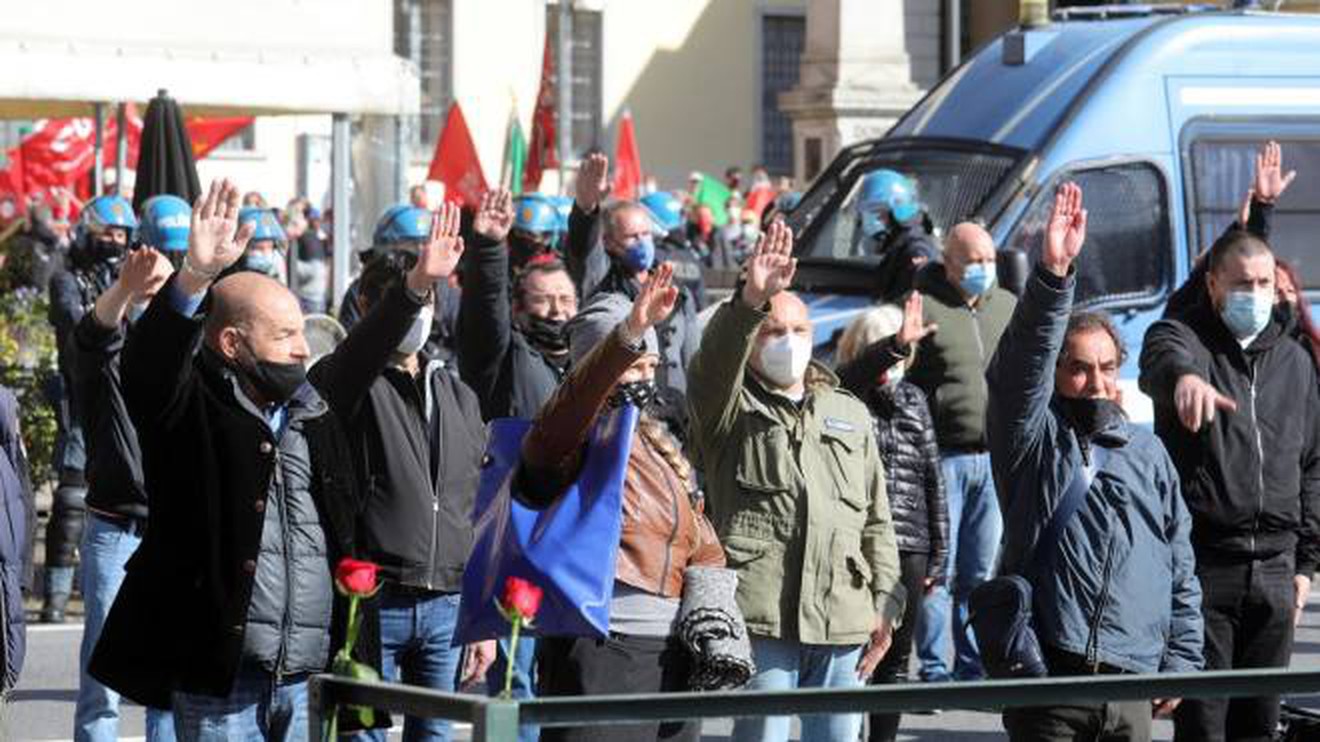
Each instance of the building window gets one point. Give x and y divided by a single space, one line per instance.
243 140
423 33
1129 244
1223 168
587 66
782 39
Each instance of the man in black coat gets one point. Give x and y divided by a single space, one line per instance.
228 606
1236 404
513 351
417 433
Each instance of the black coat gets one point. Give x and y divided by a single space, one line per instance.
905 435
418 444
114 458
511 378
1252 477
178 620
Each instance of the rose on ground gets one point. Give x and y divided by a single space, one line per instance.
356 577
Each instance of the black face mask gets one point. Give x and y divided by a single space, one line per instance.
276 382
107 251
639 394
1090 416
546 335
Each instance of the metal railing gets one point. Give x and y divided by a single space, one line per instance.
497 720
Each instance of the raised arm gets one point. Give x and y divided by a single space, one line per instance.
586 260
485 322
715 377
862 372
551 451
349 371
156 366
1021 373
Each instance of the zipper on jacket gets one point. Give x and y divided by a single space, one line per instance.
980 348
673 532
1260 461
435 527
1093 643
282 653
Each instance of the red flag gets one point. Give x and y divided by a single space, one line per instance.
455 162
541 150
627 162
208 133
759 198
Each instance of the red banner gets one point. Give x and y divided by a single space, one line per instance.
541 148
627 162
455 162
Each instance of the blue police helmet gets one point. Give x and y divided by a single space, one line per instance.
402 223
103 212
535 213
666 209
563 207
890 191
268 227
166 220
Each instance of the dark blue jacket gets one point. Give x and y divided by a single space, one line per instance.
1123 580
14 498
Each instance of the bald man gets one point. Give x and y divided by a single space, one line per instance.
796 492
228 606
961 298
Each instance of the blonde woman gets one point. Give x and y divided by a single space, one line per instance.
871 367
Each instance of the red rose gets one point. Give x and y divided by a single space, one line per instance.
356 577
521 598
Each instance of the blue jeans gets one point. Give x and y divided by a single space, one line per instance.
106 546
975 527
784 665
524 683
415 637
256 710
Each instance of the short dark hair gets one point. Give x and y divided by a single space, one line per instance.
542 267
1235 242
1089 321
382 273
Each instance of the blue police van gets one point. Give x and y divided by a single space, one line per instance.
1156 112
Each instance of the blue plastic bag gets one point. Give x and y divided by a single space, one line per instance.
569 549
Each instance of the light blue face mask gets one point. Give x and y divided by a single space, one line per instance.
874 224
260 262
1246 313
977 278
639 255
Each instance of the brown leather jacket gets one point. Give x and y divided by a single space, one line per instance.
663 532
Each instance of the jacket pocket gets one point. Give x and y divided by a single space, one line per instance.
850 608
764 464
759 565
845 457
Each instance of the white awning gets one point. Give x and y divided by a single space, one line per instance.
49 78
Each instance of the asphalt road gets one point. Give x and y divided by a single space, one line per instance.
43 703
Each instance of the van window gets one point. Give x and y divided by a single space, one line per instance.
1222 171
1128 240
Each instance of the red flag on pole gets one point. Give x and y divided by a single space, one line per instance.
627 162
541 150
208 133
455 162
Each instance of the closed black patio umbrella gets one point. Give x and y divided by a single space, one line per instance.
165 159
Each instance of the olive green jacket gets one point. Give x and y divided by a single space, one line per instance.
950 363
796 493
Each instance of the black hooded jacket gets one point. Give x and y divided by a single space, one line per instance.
1251 478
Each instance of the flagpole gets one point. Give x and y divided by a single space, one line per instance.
121 148
565 80
98 144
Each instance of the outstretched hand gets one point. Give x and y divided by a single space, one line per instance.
770 269
1066 231
593 182
440 253
1270 182
913 330
1196 401
215 241
494 217
655 301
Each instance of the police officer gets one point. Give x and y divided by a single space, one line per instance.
891 223
672 245
405 227
104 233
265 251
536 230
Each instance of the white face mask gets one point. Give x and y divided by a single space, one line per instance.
419 332
784 359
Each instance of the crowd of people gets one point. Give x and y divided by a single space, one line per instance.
212 470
